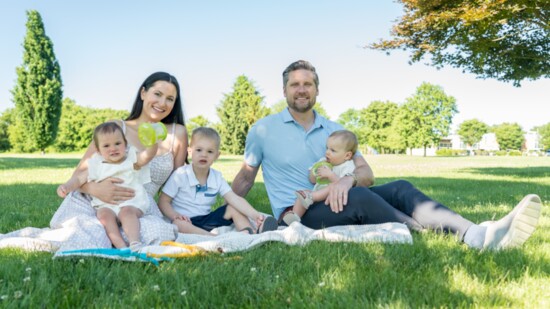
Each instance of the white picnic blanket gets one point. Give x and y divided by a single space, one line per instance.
75 226
229 240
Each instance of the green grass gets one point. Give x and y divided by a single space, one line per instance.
436 271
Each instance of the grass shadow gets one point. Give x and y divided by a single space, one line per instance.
466 196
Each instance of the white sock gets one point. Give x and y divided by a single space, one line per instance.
475 236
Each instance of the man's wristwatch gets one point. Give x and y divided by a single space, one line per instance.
354 178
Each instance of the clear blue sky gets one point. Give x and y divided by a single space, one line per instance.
107 48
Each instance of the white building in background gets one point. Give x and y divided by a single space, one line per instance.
488 143
449 142
532 142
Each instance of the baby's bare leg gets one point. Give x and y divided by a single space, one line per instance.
108 219
129 217
320 195
298 209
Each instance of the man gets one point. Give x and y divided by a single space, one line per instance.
288 143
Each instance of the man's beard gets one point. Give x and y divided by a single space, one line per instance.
301 108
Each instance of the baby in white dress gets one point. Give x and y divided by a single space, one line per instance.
115 158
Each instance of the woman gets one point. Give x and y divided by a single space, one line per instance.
158 100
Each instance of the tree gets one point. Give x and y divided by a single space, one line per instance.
75 130
77 125
238 111
279 106
507 40
426 116
37 93
18 135
471 131
395 142
5 122
544 132
510 136
405 125
379 119
355 121
195 122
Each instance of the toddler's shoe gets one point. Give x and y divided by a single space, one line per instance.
305 198
269 224
289 217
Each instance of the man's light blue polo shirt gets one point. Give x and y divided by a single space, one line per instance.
286 151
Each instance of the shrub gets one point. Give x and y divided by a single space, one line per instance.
444 152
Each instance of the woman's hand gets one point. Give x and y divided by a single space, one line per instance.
62 191
109 191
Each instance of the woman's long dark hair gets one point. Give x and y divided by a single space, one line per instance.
176 115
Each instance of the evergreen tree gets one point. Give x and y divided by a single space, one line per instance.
37 93
239 110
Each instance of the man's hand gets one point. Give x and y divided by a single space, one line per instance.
338 193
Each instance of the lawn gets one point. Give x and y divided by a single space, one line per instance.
435 271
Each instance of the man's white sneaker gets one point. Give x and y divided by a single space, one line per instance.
516 227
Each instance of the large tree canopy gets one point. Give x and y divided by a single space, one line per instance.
507 40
